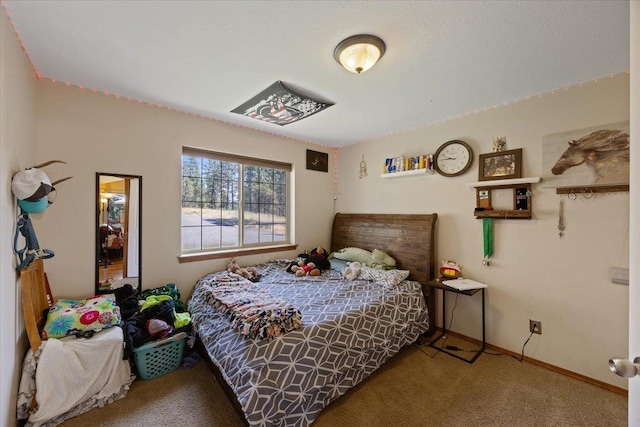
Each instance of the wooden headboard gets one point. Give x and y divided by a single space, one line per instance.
35 300
407 238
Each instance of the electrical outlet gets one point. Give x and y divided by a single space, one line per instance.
535 326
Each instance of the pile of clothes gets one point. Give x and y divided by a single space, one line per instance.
152 315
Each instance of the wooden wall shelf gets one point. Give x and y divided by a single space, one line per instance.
504 214
504 182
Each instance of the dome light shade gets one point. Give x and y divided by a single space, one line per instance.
359 53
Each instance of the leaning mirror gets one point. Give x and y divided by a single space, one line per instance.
118 231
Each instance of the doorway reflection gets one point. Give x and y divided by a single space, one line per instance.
112 231
118 231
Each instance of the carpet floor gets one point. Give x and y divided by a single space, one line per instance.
417 387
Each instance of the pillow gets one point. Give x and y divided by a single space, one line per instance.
384 277
354 254
383 258
338 264
71 317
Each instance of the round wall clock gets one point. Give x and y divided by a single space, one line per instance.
453 158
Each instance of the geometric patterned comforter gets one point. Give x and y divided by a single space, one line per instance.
350 328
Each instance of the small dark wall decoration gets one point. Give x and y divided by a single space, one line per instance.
317 161
281 105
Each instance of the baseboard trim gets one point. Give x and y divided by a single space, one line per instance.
584 378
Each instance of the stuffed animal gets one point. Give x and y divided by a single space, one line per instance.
306 269
311 264
250 273
450 270
353 270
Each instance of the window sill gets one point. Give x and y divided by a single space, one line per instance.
203 256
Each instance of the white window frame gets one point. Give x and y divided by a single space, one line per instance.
241 249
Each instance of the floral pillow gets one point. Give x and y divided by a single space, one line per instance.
383 277
71 317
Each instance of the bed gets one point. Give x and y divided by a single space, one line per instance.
62 378
350 328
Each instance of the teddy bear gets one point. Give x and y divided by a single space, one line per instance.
311 264
305 269
250 273
353 270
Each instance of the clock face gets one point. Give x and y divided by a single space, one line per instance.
453 158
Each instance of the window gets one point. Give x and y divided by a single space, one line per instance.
232 202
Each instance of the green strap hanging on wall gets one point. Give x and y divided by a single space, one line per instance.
487 231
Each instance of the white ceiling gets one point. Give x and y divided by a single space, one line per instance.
444 59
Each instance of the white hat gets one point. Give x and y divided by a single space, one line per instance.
31 185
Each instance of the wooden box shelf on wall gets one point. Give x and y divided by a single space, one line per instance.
521 207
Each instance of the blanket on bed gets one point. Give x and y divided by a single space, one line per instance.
253 312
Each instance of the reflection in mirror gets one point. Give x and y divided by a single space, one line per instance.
118 231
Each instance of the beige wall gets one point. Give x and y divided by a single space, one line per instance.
93 133
534 274
17 151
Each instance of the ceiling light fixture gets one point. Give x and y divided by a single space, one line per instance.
359 53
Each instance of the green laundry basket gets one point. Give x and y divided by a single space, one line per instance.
160 357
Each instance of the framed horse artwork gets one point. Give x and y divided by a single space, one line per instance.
587 157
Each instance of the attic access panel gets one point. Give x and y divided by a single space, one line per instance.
281 105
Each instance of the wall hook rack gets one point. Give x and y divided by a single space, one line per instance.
588 192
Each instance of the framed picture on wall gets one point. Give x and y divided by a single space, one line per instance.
500 165
317 161
597 155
